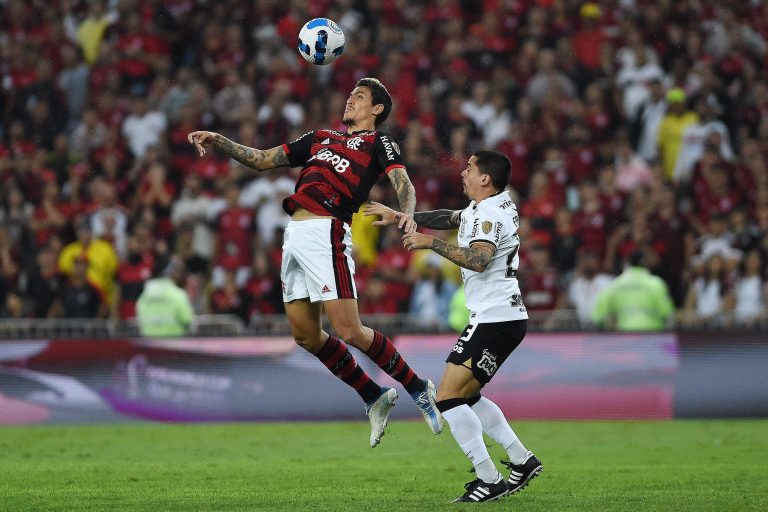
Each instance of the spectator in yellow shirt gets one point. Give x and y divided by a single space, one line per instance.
671 129
101 256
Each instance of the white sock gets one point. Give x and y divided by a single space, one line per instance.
496 426
468 432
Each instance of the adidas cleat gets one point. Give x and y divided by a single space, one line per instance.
425 401
521 474
378 413
478 491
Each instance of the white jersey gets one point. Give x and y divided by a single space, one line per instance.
494 294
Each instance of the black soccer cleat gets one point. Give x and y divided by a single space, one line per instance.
521 474
478 491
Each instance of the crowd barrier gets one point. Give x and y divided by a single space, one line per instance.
581 375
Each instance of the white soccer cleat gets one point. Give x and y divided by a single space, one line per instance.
425 401
378 413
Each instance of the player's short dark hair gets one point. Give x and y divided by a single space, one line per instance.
379 96
496 165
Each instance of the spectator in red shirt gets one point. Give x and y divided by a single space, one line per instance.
234 238
52 216
264 288
588 41
590 219
133 271
539 282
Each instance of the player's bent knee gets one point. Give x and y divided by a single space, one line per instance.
308 344
352 336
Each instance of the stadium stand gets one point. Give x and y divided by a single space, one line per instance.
632 126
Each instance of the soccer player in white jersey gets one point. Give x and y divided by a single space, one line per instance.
487 253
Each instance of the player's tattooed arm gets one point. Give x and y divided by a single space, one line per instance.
475 257
258 159
438 219
406 193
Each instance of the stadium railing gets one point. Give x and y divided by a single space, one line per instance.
277 325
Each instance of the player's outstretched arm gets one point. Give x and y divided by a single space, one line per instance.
434 219
406 195
260 160
476 257
438 219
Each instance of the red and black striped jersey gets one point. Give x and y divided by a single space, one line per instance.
339 170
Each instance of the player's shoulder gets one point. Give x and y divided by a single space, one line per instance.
328 133
388 144
500 205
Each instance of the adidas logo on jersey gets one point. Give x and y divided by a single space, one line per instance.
325 289
326 141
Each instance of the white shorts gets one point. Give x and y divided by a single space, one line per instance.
317 261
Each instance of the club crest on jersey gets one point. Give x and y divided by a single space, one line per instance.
487 363
354 143
487 225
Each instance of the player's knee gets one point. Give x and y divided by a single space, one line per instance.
354 336
307 343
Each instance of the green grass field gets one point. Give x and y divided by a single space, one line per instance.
680 466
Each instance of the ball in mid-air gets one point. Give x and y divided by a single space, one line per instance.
321 41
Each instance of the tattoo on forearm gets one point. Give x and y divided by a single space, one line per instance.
406 194
438 219
250 157
475 257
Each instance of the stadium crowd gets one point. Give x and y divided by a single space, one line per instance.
633 126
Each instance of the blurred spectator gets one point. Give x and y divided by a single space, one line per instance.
234 229
750 289
265 195
99 257
709 294
143 127
73 82
432 294
44 283
635 301
539 281
586 285
80 298
631 170
89 32
234 102
192 208
264 287
672 128
163 308
229 298
644 126
707 130
548 80
133 272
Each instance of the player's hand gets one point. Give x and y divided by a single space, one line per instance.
416 240
202 140
387 214
406 223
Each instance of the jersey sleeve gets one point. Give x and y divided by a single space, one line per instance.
386 153
488 227
299 151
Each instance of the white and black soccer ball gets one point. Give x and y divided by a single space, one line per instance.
321 41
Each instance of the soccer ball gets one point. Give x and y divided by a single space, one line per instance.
321 41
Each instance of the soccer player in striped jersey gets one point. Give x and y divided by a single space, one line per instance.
338 171
487 253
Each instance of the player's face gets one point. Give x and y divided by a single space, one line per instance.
359 109
471 178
